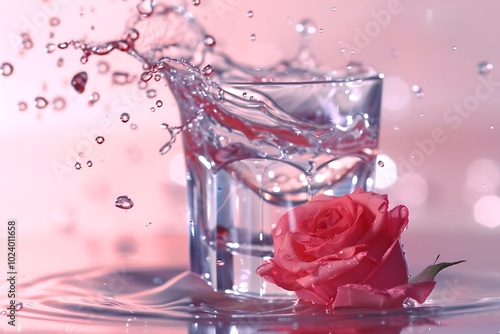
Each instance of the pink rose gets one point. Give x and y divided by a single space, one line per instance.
344 252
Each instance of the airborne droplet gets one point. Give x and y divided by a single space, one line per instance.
78 165
120 78
159 103
59 103
79 81
252 37
6 69
209 40
484 67
146 7
250 13
124 202
124 117
50 48
196 2
93 98
306 27
22 106
207 70
151 93
40 102
418 91
220 262
99 140
381 163
54 21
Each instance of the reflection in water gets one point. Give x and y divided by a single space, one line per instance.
109 298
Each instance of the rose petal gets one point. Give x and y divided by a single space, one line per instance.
356 295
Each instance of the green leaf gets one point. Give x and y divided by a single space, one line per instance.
430 272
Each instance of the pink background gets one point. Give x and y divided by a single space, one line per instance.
443 165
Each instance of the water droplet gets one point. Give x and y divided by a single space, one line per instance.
125 117
99 140
484 67
102 67
252 37
381 163
207 70
124 202
18 306
27 43
306 27
196 2
146 76
163 126
22 106
133 126
50 48
418 91
78 165
159 103
151 93
6 69
491 127
120 78
321 30
54 21
40 102
81 154
152 109
89 163
84 59
157 77
454 47
63 45
142 85
146 7
79 81
209 40
60 62
277 231
334 9
59 103
4 312
220 262
250 13
93 98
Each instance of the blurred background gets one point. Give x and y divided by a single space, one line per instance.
438 146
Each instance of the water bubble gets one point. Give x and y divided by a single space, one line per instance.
159 103
151 93
27 43
252 37
54 21
22 106
79 81
209 40
78 165
133 126
102 67
484 67
306 27
125 117
60 62
89 163
99 140
196 2
18 306
207 70
124 202
6 69
220 262
93 98
40 102
146 7
381 163
50 48
63 45
418 91
59 103
120 78
250 13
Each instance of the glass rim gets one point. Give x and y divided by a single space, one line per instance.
375 77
